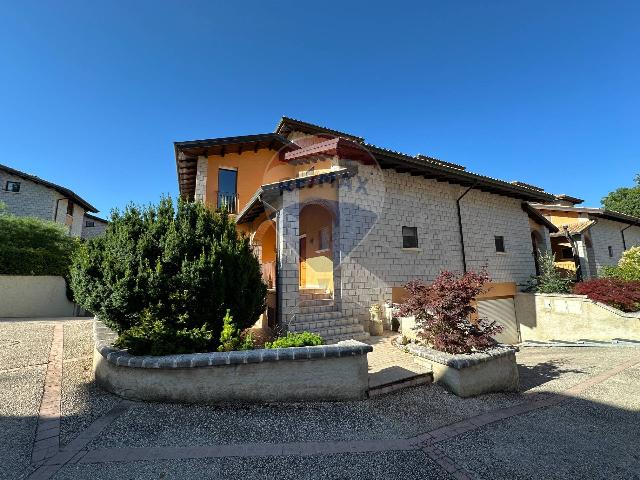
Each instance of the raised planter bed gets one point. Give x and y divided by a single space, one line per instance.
468 375
318 373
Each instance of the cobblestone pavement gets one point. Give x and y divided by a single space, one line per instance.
576 417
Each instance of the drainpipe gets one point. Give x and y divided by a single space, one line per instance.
464 254
624 243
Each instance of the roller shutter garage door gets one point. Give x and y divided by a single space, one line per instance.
503 312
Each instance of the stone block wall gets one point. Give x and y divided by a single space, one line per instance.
371 219
33 199
288 228
606 233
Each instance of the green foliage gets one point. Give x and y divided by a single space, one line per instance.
625 199
30 246
164 276
628 267
551 279
3 209
301 339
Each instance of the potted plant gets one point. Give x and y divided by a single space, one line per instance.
375 324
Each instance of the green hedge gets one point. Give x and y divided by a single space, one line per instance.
30 246
301 339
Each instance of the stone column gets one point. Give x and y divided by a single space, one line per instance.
288 230
201 180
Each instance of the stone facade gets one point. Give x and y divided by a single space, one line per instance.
98 228
607 233
373 259
201 180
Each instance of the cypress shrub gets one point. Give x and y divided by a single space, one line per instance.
163 277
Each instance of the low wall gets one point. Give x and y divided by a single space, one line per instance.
319 373
544 317
24 296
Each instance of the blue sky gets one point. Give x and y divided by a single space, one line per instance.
93 94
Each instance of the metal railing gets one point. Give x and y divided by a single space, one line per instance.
228 201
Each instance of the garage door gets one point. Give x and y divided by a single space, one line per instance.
503 312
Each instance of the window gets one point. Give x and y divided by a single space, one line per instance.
324 239
567 253
12 187
89 223
69 207
499 244
409 237
610 251
227 189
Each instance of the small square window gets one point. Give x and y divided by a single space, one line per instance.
610 251
89 223
499 244
12 187
324 239
409 237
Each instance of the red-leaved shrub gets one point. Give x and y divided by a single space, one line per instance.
442 312
620 294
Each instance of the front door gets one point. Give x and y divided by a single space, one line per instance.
303 261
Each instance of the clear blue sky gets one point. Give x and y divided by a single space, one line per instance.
93 95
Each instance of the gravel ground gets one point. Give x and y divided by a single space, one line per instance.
381 465
78 339
82 400
20 394
24 343
594 436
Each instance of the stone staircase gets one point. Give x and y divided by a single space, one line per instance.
318 314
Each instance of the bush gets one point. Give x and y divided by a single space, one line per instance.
163 277
442 312
231 339
620 294
302 339
551 278
628 267
30 246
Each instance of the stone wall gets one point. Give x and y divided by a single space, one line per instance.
98 228
545 317
371 218
607 233
33 199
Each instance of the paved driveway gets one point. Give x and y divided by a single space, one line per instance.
578 416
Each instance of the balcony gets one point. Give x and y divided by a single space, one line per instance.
228 201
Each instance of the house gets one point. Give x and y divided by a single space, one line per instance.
339 224
30 196
93 226
588 238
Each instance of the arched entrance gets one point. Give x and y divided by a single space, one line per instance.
316 247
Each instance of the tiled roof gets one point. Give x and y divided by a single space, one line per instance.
58 188
575 228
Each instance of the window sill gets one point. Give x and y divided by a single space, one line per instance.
416 250
324 250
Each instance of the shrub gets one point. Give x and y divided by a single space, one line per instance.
231 339
442 312
163 277
551 278
620 294
30 246
628 267
301 339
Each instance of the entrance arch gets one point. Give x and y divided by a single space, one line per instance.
316 247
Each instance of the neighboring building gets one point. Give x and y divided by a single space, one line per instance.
339 224
589 237
93 226
30 196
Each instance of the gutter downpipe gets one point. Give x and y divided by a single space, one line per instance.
624 242
464 254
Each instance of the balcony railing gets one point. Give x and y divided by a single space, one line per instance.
228 201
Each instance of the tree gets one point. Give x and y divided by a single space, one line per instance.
624 199
163 277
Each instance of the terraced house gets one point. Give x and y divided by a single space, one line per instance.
588 238
339 224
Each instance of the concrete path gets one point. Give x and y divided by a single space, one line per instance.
577 417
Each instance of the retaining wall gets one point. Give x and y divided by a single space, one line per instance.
23 296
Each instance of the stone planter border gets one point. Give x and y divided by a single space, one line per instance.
323 372
468 375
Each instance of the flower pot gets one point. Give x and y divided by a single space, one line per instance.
375 328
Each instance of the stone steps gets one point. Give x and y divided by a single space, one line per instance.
328 306
305 296
411 381
329 340
319 325
317 316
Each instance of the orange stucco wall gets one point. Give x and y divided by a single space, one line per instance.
269 245
319 264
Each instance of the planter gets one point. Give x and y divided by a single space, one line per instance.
468 375
318 373
375 328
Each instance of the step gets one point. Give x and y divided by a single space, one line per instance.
313 290
327 307
315 296
329 340
319 325
316 303
338 330
407 382
316 317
